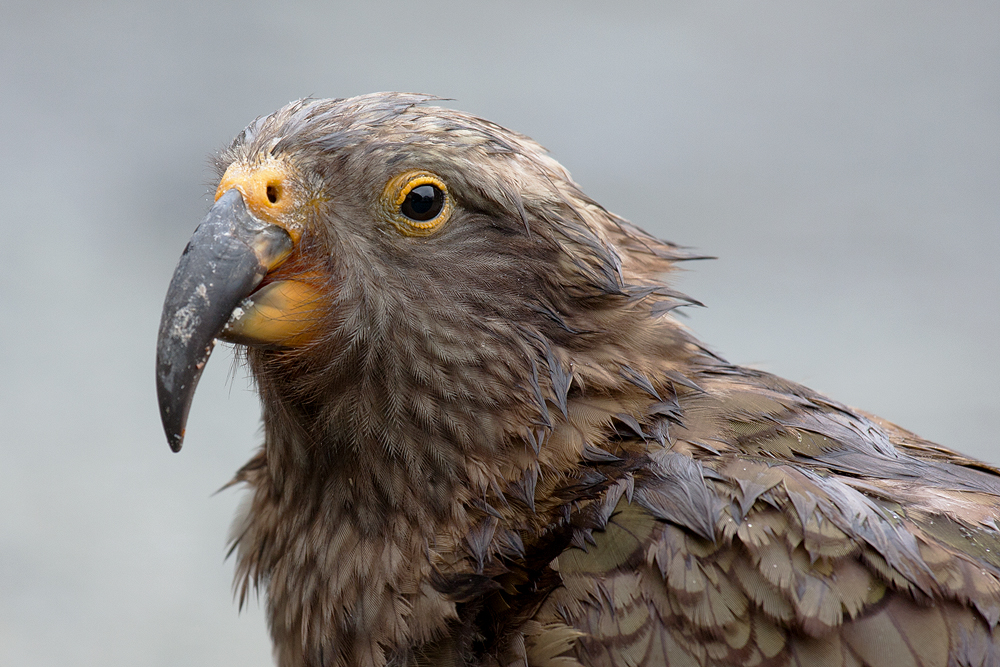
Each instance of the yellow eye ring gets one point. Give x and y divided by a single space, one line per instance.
417 202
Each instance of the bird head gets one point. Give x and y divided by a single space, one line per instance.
408 280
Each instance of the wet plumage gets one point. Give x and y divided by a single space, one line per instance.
487 441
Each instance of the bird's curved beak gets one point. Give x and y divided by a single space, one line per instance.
227 258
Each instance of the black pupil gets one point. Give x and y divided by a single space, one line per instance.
423 203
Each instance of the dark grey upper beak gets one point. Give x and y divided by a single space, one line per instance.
225 260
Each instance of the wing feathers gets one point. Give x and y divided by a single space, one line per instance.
736 559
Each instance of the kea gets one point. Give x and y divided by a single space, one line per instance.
487 439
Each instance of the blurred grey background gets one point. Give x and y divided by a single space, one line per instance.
841 159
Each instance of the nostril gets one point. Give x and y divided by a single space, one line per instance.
273 193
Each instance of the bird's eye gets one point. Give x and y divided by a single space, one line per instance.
423 203
417 202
